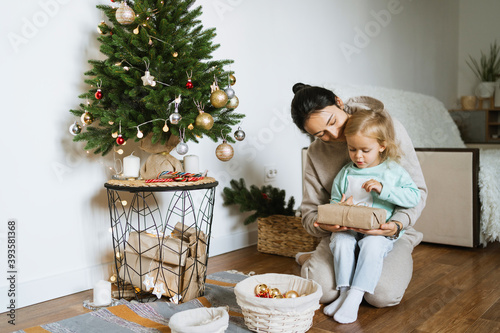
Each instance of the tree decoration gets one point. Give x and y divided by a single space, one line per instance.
100 27
120 140
148 79
75 128
229 91
165 127
182 148
125 14
98 93
155 44
176 117
203 120
224 151
189 84
239 134
140 135
218 98
87 118
262 202
233 103
232 80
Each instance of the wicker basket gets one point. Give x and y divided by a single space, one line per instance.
272 315
284 235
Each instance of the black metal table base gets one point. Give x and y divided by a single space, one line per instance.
161 252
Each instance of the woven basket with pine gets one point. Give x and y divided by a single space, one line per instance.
279 230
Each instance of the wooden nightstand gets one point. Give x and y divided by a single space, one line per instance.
481 125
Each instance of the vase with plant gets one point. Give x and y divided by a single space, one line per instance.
487 69
279 230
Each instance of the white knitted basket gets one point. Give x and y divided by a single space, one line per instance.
273 315
200 320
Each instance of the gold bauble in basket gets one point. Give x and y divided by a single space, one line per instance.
261 289
291 294
274 293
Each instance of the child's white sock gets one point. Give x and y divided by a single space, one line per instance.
348 312
331 308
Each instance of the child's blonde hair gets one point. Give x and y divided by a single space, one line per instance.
377 125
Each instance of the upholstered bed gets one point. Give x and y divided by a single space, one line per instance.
464 183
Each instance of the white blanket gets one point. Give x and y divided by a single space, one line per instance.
489 195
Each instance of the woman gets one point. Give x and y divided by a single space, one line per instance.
320 113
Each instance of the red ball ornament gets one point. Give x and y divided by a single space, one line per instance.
98 94
120 140
189 84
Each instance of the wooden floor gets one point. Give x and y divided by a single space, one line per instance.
453 290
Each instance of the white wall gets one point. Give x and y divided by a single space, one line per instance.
479 27
55 189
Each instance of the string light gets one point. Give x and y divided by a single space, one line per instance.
140 135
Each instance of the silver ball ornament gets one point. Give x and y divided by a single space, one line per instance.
229 92
175 118
239 135
75 129
182 148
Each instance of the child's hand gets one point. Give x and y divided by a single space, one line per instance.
348 201
372 185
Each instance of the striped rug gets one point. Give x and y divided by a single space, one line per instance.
152 317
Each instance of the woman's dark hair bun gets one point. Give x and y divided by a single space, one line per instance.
299 86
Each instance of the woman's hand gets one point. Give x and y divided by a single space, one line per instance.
386 229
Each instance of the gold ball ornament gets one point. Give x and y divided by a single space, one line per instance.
261 289
233 103
232 79
274 293
113 278
205 121
125 14
87 118
218 98
224 152
291 294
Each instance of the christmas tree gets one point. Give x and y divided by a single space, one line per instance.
158 78
264 201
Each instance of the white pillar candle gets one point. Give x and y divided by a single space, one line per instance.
191 164
131 166
102 293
